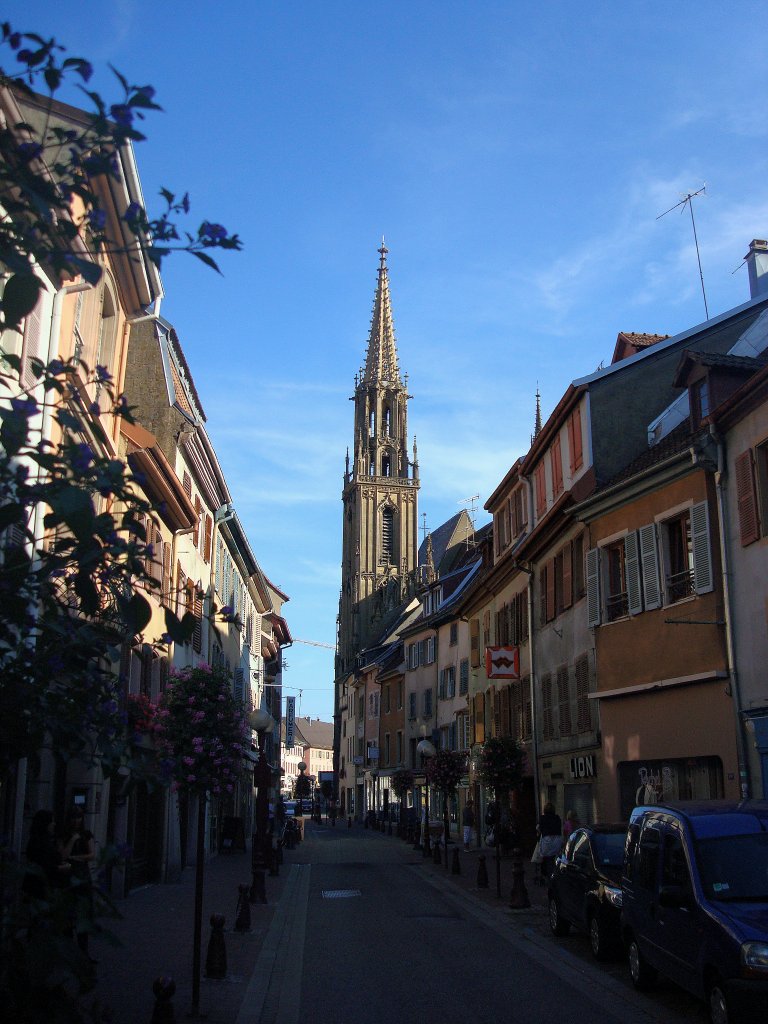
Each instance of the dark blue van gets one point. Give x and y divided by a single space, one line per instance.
695 902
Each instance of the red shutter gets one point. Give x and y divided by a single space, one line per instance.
746 498
557 467
574 439
208 538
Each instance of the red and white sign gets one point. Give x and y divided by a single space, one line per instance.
502 662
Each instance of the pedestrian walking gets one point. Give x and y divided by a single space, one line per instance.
571 822
468 821
78 849
550 831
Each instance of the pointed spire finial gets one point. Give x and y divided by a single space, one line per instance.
537 425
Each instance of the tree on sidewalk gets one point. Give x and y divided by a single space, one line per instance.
444 772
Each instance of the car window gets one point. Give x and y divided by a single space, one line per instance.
645 864
734 867
608 848
582 854
674 866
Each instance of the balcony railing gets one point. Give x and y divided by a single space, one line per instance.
616 606
679 586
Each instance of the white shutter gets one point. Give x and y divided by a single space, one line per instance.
702 557
649 560
593 587
239 685
632 563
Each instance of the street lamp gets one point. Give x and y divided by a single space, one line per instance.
261 722
426 748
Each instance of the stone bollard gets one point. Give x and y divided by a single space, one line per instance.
164 989
258 888
518 900
243 912
436 854
482 872
455 863
216 958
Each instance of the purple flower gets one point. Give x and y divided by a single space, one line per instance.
212 232
122 114
97 219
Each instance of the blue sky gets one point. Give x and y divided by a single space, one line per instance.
516 158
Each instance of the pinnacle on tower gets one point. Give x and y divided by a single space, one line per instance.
537 425
381 358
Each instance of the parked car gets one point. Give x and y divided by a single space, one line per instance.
585 887
695 902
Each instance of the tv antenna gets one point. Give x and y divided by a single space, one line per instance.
471 507
687 200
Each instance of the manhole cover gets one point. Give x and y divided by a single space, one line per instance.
339 894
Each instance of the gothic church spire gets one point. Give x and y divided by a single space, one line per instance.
381 358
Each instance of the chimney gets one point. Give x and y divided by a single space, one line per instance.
757 264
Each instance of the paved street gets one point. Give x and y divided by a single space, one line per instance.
431 945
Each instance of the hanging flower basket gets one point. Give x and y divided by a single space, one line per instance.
500 765
445 770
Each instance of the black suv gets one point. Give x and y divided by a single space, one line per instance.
584 888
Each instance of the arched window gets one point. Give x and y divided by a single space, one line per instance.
372 423
387 421
387 535
386 465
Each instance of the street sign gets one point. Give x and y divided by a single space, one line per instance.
290 720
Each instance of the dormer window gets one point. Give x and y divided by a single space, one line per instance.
700 407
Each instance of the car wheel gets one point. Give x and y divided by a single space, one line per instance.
597 939
641 972
557 923
719 1004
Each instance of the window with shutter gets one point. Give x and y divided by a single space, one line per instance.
583 704
547 715
463 676
474 642
677 550
593 587
557 468
649 566
703 579
575 448
187 484
31 346
564 701
441 685
238 686
450 681
634 591
746 498
208 537
614 562
540 487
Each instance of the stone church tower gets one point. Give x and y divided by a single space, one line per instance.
380 496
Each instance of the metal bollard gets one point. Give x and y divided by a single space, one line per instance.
455 863
482 872
164 989
243 912
216 958
518 899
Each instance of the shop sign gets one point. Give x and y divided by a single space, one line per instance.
502 662
583 767
290 720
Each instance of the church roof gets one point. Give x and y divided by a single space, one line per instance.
381 358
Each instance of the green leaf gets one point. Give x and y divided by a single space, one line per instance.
206 259
20 297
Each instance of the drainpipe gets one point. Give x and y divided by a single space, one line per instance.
745 781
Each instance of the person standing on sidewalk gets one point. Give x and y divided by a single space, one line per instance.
468 821
550 829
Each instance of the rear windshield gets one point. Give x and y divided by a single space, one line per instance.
609 848
734 867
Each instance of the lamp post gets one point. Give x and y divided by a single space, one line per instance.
261 722
426 748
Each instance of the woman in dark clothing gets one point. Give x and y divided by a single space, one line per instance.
550 829
43 851
79 851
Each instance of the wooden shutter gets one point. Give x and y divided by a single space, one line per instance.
187 484
30 348
208 538
166 582
593 587
239 686
196 531
746 497
632 566
649 566
548 728
564 701
474 642
703 580
583 712
540 481
557 467
197 636
574 439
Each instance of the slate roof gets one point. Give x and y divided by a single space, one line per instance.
315 733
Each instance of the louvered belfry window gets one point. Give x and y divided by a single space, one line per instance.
387 535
